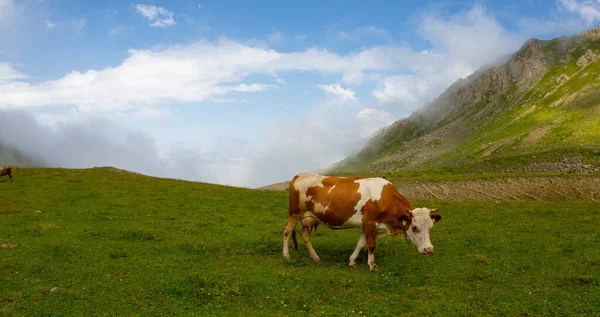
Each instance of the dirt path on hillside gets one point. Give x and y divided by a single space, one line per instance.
505 189
498 189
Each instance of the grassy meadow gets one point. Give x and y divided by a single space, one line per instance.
106 243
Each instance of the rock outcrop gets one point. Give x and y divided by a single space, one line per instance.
586 58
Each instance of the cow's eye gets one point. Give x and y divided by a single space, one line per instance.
415 229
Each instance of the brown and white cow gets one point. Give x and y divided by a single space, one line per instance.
6 170
372 204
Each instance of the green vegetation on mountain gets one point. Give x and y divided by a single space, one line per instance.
537 112
106 242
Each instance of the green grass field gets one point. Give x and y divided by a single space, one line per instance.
117 244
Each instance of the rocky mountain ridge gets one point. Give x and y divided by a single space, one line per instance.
524 113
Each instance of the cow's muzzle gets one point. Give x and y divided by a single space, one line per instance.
426 251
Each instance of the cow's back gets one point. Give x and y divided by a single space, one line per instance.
333 200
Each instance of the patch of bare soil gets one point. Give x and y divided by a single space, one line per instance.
10 212
493 147
535 135
497 189
506 189
567 99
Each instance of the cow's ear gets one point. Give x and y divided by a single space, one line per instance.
435 218
405 219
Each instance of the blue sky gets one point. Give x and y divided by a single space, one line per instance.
238 92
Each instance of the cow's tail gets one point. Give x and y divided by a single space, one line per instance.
294 239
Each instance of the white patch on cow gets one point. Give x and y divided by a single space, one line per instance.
332 187
369 189
423 222
362 241
371 261
304 182
320 208
353 222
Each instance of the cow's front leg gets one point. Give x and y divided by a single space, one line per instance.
370 236
359 245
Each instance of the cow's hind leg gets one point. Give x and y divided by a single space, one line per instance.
362 241
288 229
306 230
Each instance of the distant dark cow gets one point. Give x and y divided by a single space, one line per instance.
6 170
371 204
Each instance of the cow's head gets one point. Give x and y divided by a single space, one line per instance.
418 223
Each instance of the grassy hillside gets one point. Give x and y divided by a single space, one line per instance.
538 112
110 243
11 157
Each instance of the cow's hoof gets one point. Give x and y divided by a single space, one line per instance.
353 264
374 268
286 256
316 260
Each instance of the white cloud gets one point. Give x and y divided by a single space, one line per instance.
588 10
305 143
197 72
199 6
370 120
50 25
400 88
74 116
353 78
338 93
474 37
158 16
410 92
88 141
78 25
460 44
7 74
310 142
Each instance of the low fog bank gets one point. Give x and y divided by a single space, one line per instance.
290 147
95 142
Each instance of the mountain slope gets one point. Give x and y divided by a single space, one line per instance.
539 111
12 157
